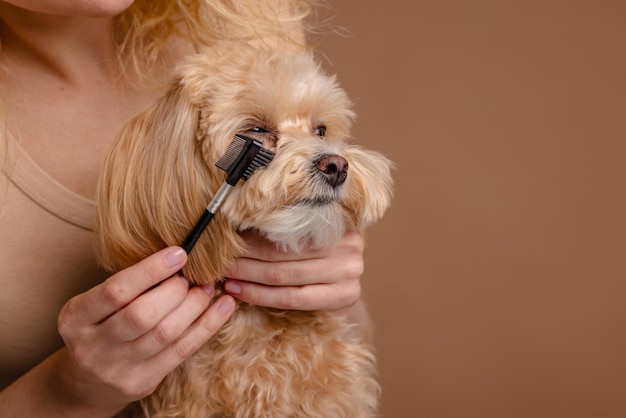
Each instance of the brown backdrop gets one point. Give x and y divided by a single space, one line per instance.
498 279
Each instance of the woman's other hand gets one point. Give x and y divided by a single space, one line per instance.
318 279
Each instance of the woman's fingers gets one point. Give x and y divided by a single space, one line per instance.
196 335
280 273
174 325
326 279
264 263
122 288
260 248
305 298
146 311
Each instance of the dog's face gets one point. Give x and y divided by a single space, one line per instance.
317 187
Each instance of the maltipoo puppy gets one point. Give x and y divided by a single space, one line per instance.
159 176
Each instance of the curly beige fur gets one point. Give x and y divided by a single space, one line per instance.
160 174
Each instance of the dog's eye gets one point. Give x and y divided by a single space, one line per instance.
267 137
320 131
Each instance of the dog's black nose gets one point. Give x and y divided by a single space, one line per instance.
334 168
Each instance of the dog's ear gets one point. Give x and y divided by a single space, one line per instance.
372 186
154 185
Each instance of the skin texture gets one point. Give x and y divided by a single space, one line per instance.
60 54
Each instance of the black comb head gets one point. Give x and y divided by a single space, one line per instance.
232 154
261 159
243 156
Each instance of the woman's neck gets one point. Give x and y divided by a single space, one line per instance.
70 50
64 90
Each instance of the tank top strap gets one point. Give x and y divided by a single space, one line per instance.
44 190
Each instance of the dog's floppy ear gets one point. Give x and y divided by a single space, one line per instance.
154 185
370 174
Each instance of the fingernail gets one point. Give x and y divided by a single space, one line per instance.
184 279
175 258
225 305
232 287
210 289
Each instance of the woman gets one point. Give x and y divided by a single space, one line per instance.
72 73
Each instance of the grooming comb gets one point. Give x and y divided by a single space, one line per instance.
243 156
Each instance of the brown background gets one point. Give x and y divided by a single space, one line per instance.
498 279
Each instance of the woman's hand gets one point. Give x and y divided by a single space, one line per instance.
126 334
326 279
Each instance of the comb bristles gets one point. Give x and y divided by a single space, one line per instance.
243 156
263 158
231 154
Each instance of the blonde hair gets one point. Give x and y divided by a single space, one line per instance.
142 31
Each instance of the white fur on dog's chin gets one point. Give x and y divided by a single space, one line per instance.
302 225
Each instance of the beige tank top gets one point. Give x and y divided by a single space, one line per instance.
46 257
